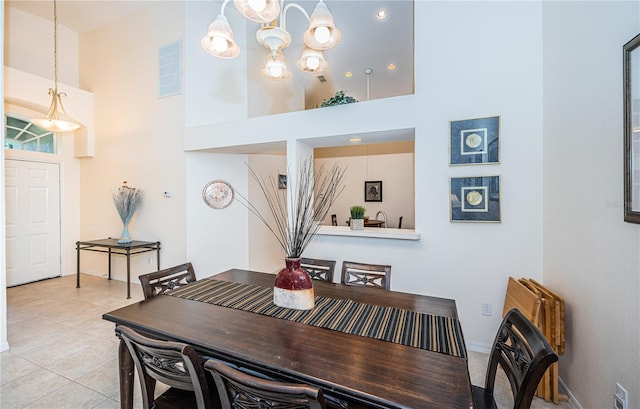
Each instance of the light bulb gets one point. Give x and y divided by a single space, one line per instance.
322 34
257 5
275 71
219 44
313 63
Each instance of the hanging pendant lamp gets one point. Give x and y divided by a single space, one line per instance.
57 119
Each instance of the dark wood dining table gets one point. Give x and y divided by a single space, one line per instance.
358 371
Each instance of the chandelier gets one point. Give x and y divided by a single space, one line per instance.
321 35
57 119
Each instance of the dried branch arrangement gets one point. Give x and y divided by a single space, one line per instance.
310 198
126 200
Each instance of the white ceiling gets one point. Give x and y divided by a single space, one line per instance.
366 41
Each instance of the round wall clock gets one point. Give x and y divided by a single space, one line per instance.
217 194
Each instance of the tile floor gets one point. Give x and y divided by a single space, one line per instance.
64 355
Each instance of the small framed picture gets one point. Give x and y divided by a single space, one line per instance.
475 199
282 181
475 141
373 191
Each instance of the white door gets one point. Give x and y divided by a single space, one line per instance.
32 195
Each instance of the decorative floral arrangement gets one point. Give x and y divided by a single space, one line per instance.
338 99
126 200
297 221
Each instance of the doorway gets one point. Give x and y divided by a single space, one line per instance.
32 205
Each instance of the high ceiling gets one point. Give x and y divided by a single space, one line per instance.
366 41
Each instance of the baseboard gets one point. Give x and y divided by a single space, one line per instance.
573 402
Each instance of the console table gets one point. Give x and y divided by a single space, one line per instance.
111 246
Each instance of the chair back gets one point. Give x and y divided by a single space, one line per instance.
173 363
524 355
319 269
400 222
334 220
366 275
162 281
240 390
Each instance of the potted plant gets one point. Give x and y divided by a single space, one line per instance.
357 217
295 223
338 99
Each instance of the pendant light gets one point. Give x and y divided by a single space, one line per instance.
57 119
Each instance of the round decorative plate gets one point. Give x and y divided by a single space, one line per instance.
474 140
474 198
217 194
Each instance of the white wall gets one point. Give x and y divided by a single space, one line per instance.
591 256
465 73
138 138
217 239
29 47
4 344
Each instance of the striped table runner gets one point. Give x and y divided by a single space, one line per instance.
415 329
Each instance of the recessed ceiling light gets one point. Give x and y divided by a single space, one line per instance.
348 74
355 140
391 67
381 14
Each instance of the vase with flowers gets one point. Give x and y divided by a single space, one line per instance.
295 223
126 200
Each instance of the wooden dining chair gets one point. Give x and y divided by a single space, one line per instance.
366 275
174 364
334 220
319 269
524 355
240 390
160 282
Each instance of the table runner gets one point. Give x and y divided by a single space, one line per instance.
410 328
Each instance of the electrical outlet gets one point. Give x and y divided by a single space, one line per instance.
620 398
486 309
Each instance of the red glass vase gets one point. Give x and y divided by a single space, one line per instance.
293 287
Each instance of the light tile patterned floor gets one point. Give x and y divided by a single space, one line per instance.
64 355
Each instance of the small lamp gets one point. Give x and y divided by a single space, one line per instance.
219 39
276 66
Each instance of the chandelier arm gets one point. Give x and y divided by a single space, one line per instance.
283 13
224 5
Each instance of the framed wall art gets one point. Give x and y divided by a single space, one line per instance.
282 181
475 199
373 191
475 141
631 76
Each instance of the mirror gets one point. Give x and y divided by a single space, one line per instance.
631 65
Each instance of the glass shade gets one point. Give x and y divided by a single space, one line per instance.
312 61
219 39
322 33
260 11
57 119
275 67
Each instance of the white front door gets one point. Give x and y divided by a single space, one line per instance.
32 195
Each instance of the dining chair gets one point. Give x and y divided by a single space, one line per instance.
174 364
400 222
334 220
319 269
241 390
162 281
524 355
366 275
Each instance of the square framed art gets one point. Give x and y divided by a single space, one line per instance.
475 141
475 199
373 191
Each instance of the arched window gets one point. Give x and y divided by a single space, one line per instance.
22 134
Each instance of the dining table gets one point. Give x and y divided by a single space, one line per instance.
415 357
